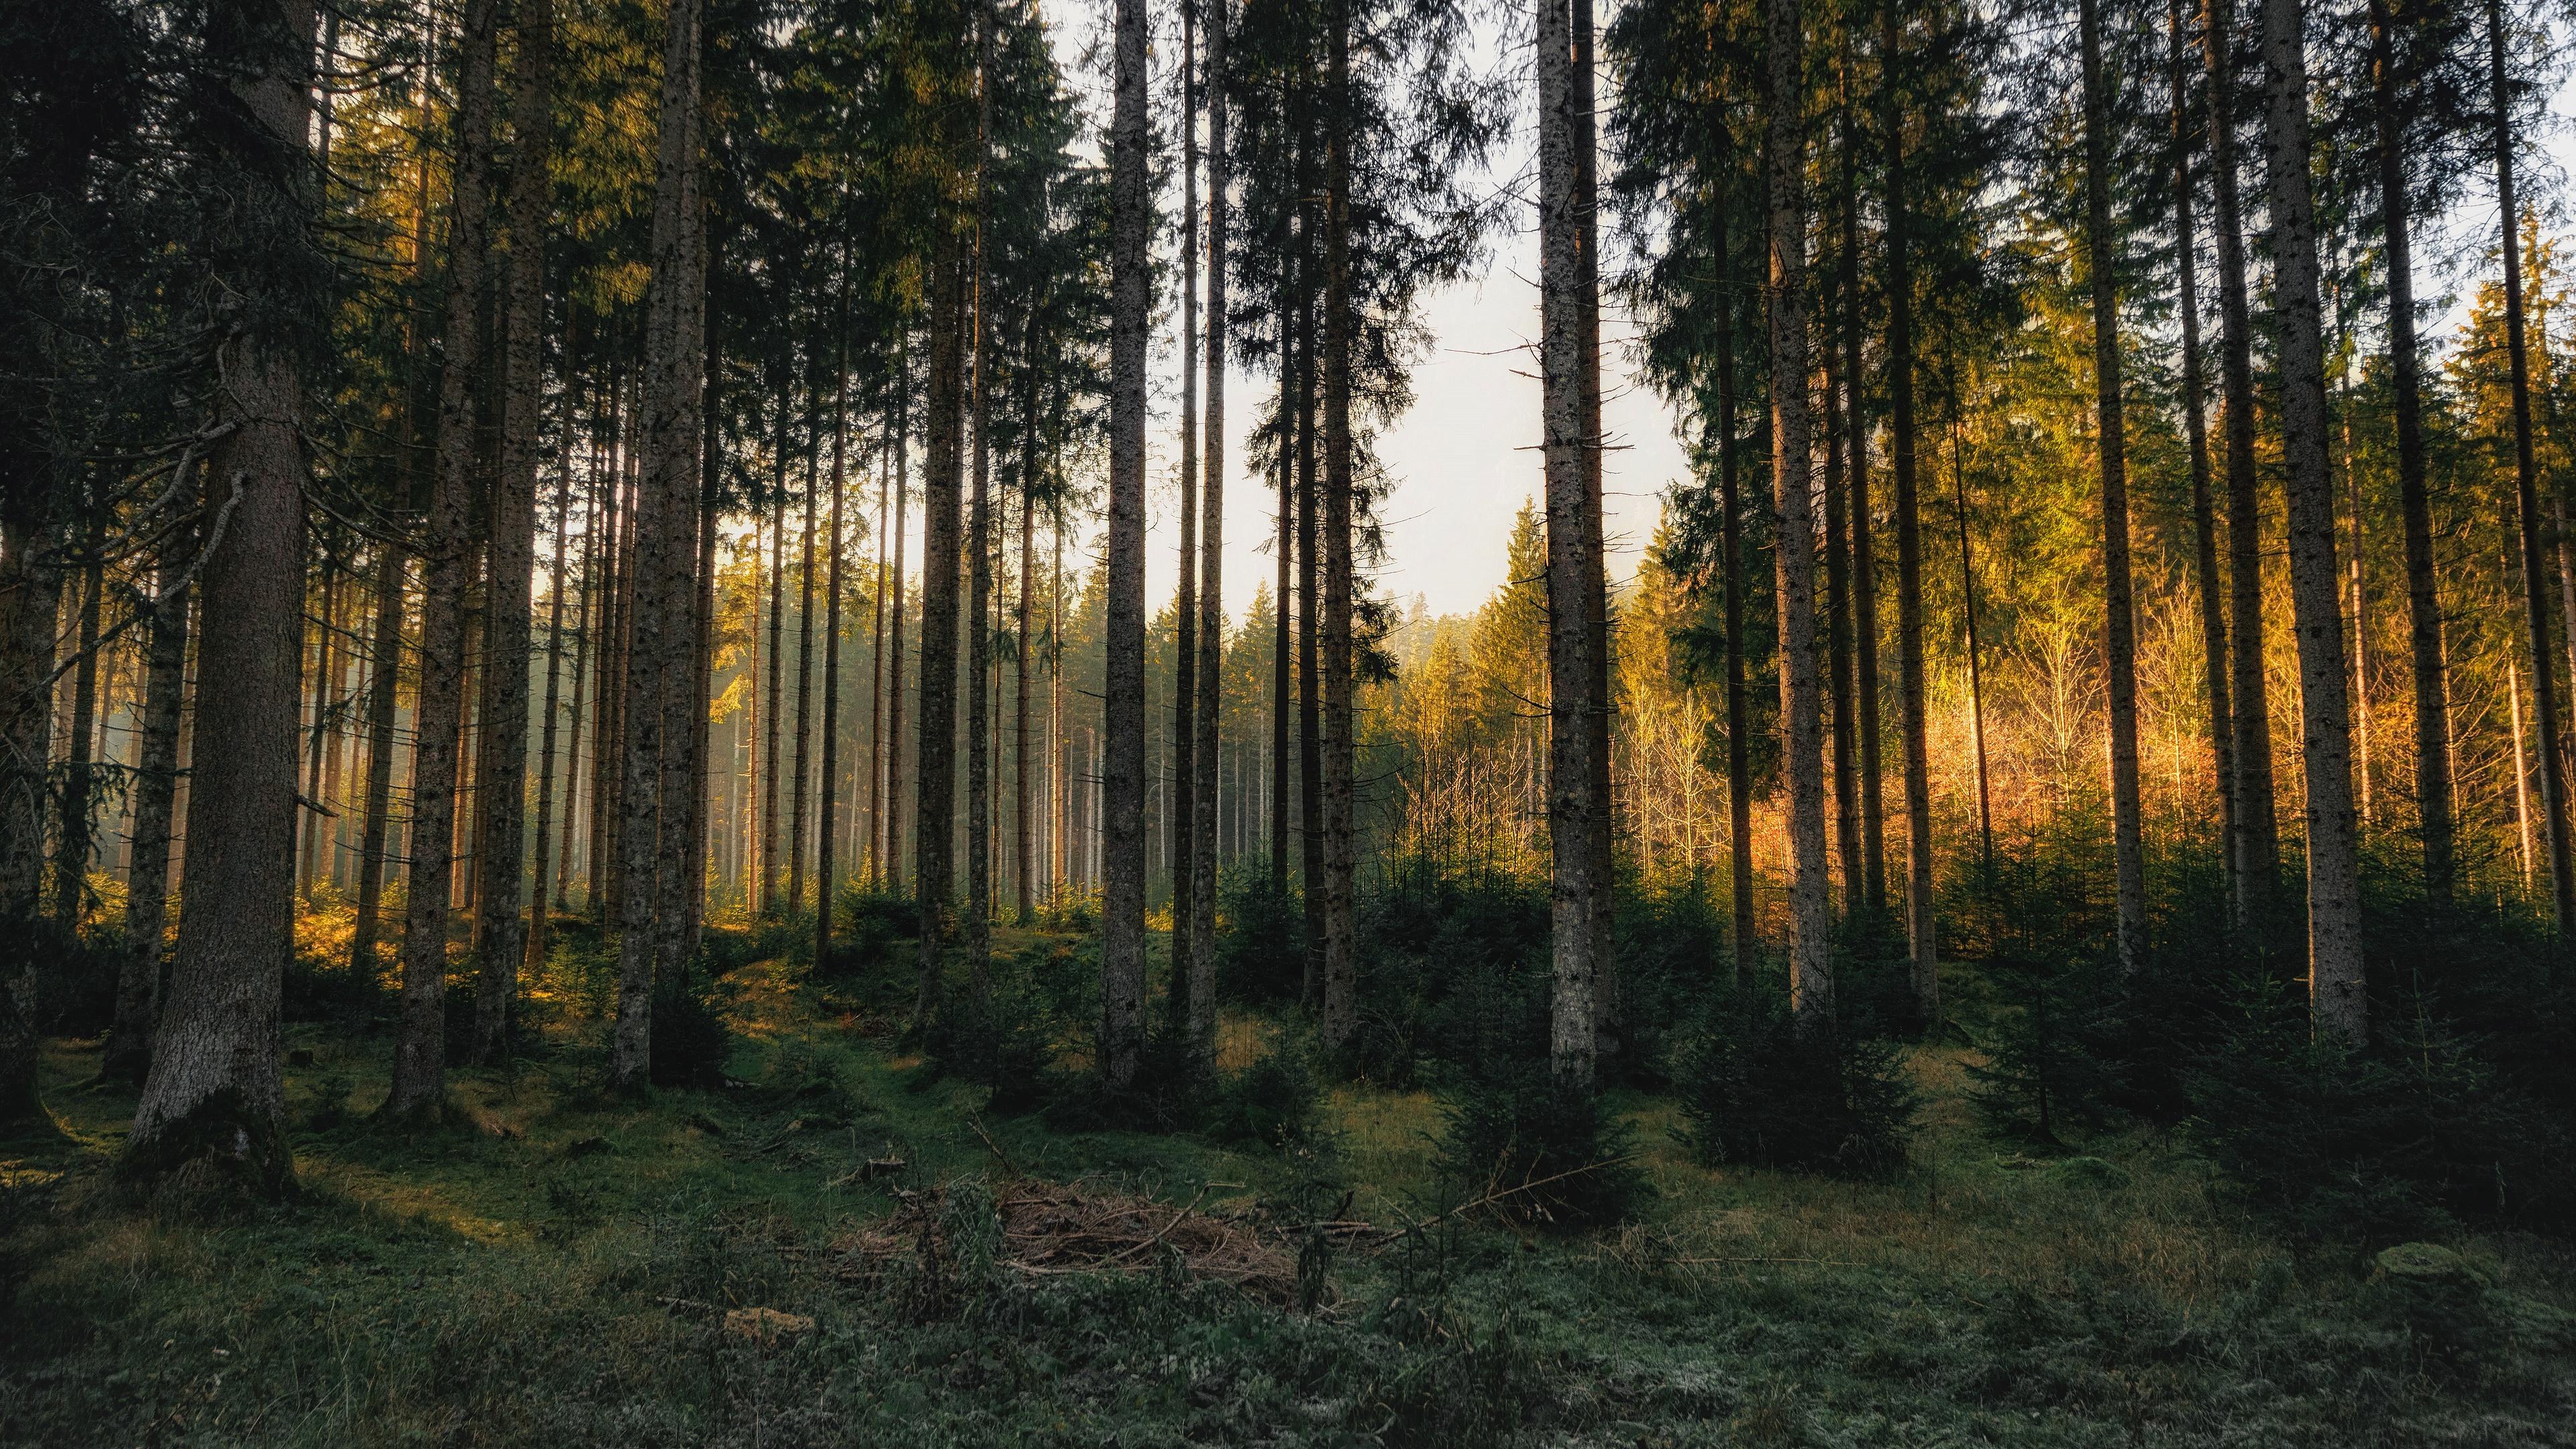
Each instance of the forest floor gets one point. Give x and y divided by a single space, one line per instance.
812 1255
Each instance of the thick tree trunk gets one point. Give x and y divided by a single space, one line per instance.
1922 946
2334 849
2119 631
979 569
2204 512
2258 843
420 1047
514 526
934 844
156 789
663 522
1571 633
216 1088
1122 935
2423 599
1604 871
1310 621
1211 581
1811 979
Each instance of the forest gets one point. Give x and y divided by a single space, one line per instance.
668 774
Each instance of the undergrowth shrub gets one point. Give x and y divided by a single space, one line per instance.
690 1036
1276 1101
1522 1146
1260 952
1758 1091
866 924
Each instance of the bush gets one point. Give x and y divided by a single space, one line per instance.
867 922
1756 1090
2052 1052
2404 1140
690 1038
1532 1151
1275 1101
1260 952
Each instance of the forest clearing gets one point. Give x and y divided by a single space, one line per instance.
850 721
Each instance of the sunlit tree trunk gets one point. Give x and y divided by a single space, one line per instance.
538 919
1739 754
2119 633
1864 563
72 827
934 843
891 873
2258 844
1601 836
2204 512
800 777
823 851
2325 755
1811 980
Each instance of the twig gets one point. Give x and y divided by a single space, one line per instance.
1167 1227
1820 1262
1008 1165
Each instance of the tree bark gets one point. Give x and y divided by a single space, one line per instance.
1602 834
1341 946
935 843
1864 563
1571 636
1185 694
823 852
1211 620
216 1089
663 523
1922 945
2334 848
381 703
538 919
72 830
156 788
2258 843
1811 979
420 1047
31 585
1745 939
1022 844
801 777
979 586
1122 943
2119 627
514 523
891 874
1310 598
2204 512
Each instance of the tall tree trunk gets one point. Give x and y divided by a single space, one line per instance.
386 654
216 1088
2258 843
1811 979
1185 693
801 777
823 853
934 844
1341 946
1571 636
420 1047
2544 693
679 866
872 848
31 585
1604 872
1744 941
662 522
586 625
2334 848
1838 663
308 853
1122 935
1022 853
1283 699
1864 561
1310 598
1211 591
72 830
2204 512
1922 946
2423 598
514 525
156 787
892 873
2119 629
979 542
1976 650
538 919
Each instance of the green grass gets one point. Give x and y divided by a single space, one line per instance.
551 1266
